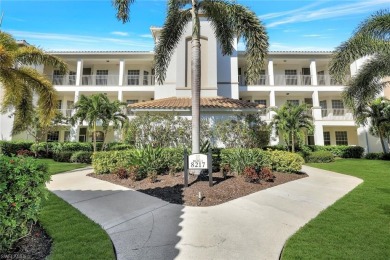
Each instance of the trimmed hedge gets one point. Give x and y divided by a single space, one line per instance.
22 186
342 151
106 162
62 156
237 159
320 157
378 156
10 148
81 157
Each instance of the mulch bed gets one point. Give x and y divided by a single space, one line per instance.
32 247
171 188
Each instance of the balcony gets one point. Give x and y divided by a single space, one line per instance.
336 114
292 80
103 80
66 112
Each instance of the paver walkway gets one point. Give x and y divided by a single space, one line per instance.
252 227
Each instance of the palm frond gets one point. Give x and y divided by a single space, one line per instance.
47 95
217 11
170 35
368 83
8 42
24 110
377 26
247 24
122 8
31 55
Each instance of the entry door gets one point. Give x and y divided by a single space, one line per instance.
83 134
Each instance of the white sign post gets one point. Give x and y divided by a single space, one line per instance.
197 161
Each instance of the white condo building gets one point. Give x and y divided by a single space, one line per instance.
294 76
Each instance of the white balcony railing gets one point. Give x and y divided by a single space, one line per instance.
292 80
336 114
100 80
137 80
63 79
66 112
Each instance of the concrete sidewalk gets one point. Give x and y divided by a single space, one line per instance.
252 227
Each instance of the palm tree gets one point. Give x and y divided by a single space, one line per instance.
228 20
290 120
375 111
21 82
113 115
370 39
123 9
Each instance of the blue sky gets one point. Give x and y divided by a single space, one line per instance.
91 24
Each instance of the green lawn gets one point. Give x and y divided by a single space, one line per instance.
74 235
355 227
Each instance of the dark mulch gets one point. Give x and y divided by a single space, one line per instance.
171 188
33 247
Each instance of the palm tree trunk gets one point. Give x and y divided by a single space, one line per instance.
292 143
195 80
94 136
382 142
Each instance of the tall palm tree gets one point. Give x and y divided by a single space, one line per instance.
21 81
371 38
228 20
122 8
375 112
113 115
291 120
91 109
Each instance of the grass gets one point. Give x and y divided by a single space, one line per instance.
74 235
356 226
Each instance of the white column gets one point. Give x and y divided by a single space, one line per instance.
318 134
79 72
271 72
120 95
121 72
313 72
317 115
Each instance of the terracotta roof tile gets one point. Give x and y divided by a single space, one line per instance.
185 103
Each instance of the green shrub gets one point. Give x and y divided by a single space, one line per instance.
148 160
120 147
108 161
62 156
282 161
320 157
238 159
45 149
342 151
10 148
76 146
278 147
378 156
22 186
81 157
173 159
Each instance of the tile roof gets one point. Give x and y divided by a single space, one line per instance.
205 102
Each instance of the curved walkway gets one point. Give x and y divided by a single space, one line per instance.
252 227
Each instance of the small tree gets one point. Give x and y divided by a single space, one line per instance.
114 116
245 131
291 121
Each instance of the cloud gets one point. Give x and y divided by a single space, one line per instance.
120 33
56 41
312 35
304 15
276 46
146 36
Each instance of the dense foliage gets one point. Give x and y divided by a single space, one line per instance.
319 157
22 187
10 148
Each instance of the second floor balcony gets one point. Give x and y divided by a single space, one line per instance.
336 114
291 80
103 80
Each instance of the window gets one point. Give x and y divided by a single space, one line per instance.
72 78
321 78
99 136
306 76
338 107
69 108
133 77
326 138
324 110
291 77
262 79
294 102
341 138
57 77
146 78
53 136
101 77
